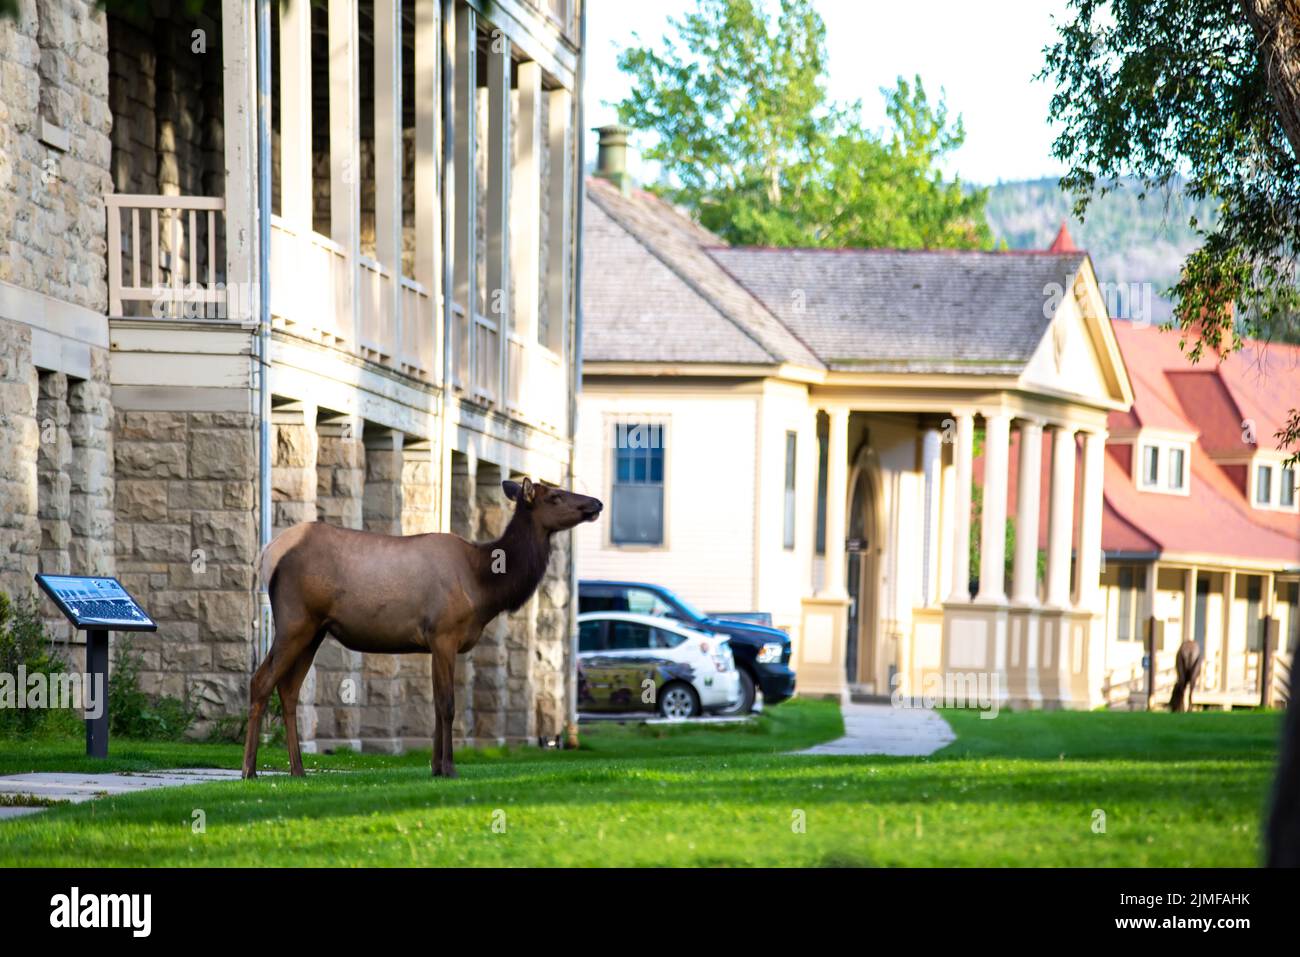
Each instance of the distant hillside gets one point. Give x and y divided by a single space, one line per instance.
1130 240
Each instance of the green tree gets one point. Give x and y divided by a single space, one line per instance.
748 141
1209 89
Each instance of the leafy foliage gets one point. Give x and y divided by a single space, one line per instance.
134 714
25 644
1158 88
749 143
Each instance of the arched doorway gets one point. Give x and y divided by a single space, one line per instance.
860 577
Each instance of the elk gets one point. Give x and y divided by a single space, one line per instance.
1187 668
395 594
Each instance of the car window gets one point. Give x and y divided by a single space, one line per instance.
629 635
663 638
589 636
602 601
641 601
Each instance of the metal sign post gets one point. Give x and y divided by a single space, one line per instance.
97 669
96 605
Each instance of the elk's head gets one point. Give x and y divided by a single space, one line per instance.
554 509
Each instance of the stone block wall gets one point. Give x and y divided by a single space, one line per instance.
56 479
55 150
20 438
187 539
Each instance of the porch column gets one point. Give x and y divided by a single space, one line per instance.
963 450
560 215
837 454
526 214
239 92
1028 496
464 200
993 540
1060 524
498 210
427 266
345 148
1087 589
295 117
388 164
931 470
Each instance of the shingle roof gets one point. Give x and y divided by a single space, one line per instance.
651 293
908 311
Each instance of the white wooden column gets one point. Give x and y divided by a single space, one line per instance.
526 201
963 452
932 478
993 531
1060 518
388 164
345 148
1088 586
1028 496
426 268
498 202
465 199
239 126
295 117
837 478
559 235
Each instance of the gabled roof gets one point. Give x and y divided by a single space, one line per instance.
1210 400
651 293
943 311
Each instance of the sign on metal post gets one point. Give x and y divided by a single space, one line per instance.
96 606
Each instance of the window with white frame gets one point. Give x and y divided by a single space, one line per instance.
637 491
1264 485
1162 467
787 535
1273 486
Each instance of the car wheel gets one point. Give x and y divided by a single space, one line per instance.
678 700
746 702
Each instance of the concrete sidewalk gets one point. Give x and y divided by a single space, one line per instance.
85 786
884 729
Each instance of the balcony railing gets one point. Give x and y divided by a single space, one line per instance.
166 256
166 260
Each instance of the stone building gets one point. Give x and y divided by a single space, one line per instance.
420 274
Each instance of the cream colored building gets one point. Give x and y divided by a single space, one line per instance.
818 414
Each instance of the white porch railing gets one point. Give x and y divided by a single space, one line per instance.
167 252
166 259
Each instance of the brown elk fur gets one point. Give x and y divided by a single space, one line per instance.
1187 669
394 594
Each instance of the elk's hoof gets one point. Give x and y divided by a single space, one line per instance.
446 771
248 775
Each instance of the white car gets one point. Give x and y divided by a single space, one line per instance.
629 662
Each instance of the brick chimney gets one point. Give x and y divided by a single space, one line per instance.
611 158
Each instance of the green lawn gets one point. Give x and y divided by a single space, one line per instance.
1021 789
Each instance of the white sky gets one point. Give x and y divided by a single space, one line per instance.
983 53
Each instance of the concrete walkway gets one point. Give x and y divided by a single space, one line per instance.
884 729
84 786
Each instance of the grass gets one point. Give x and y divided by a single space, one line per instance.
1022 789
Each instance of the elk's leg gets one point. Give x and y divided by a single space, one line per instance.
289 687
444 710
289 644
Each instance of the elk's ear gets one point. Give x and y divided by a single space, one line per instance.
520 493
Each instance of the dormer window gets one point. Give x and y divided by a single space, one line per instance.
1163 467
1177 468
1263 485
1274 486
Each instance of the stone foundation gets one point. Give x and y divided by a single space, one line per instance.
187 544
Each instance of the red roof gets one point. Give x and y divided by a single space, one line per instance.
1063 243
1212 399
